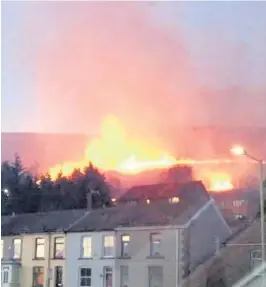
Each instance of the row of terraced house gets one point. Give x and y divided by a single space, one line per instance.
148 242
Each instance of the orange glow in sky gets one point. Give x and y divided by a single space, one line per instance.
219 181
113 150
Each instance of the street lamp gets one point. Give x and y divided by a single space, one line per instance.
238 151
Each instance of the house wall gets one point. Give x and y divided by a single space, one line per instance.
211 230
140 258
97 263
28 261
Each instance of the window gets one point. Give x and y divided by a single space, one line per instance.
58 276
5 274
107 277
255 257
39 248
155 276
16 248
59 247
2 248
155 243
174 199
108 246
238 202
38 276
85 277
86 247
125 239
124 278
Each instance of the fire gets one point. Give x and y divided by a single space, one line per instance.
113 150
219 181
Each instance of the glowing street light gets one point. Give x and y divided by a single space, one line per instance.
6 191
238 150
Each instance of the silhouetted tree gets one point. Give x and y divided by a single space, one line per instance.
21 192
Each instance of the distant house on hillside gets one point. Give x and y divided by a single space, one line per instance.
193 191
238 203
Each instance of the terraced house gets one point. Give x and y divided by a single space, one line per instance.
33 248
155 243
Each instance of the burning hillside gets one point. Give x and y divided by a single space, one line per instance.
114 150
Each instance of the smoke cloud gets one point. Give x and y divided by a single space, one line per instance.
116 58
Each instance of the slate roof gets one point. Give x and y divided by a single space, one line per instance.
157 213
232 264
39 222
193 189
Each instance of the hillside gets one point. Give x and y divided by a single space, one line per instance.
202 142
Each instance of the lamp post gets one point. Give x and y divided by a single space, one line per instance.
239 150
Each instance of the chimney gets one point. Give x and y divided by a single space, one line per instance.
89 201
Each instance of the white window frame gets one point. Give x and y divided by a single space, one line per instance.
255 258
39 244
59 240
5 270
150 273
125 238
152 242
109 238
15 246
85 277
124 271
87 246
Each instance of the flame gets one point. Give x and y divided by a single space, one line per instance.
219 181
114 151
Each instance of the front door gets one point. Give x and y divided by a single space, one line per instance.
107 277
58 276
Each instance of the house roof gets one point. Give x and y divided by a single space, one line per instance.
233 262
193 189
192 197
39 222
157 213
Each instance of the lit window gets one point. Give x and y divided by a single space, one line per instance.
174 199
155 244
108 246
148 201
125 239
59 247
85 277
86 247
16 246
39 248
